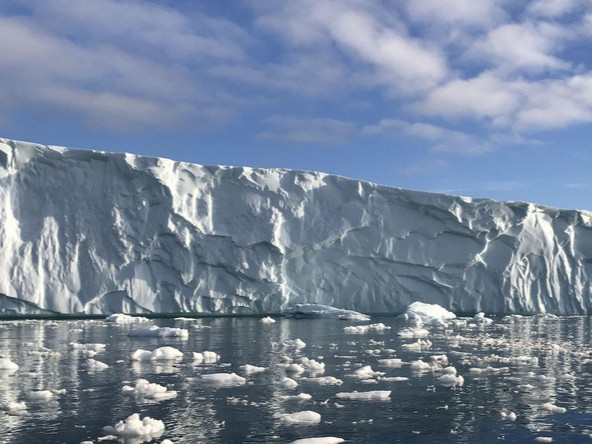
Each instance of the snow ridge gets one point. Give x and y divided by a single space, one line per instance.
95 232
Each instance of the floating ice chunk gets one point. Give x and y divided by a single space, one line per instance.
134 427
324 380
294 368
451 380
7 364
14 408
300 418
224 379
432 314
487 370
249 369
311 366
390 362
298 397
39 395
96 347
417 346
413 333
480 318
120 318
363 329
160 332
326 311
510 416
394 379
150 391
289 344
543 439
267 320
160 354
93 365
206 357
288 383
320 440
420 366
366 372
375 395
553 408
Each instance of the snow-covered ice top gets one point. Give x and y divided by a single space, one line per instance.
95 232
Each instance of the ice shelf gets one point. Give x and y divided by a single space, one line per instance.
95 232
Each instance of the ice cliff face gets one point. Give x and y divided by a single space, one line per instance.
95 232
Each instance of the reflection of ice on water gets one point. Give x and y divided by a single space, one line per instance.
533 367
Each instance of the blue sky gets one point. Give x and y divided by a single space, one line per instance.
488 98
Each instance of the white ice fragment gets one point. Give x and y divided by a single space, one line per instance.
300 418
413 333
326 311
480 318
390 362
553 408
7 364
249 369
288 383
134 427
267 320
206 357
298 397
420 366
543 439
510 416
39 395
450 380
160 354
366 372
145 390
418 346
324 380
93 365
224 379
427 313
363 329
319 440
160 332
374 395
121 318
14 407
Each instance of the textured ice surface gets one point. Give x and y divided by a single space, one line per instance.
94 232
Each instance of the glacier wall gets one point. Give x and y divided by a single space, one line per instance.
95 232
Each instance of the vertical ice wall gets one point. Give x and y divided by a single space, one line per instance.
95 232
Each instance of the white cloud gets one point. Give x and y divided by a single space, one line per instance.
307 130
363 34
77 65
442 140
471 13
552 8
526 47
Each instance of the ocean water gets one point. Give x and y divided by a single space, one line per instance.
533 361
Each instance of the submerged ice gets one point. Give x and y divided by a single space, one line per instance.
96 232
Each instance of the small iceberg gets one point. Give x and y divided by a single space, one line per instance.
431 314
325 312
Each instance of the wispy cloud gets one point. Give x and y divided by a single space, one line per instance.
442 140
302 130
128 65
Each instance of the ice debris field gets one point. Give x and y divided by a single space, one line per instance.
91 232
424 376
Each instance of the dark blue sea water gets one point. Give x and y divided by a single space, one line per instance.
419 410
